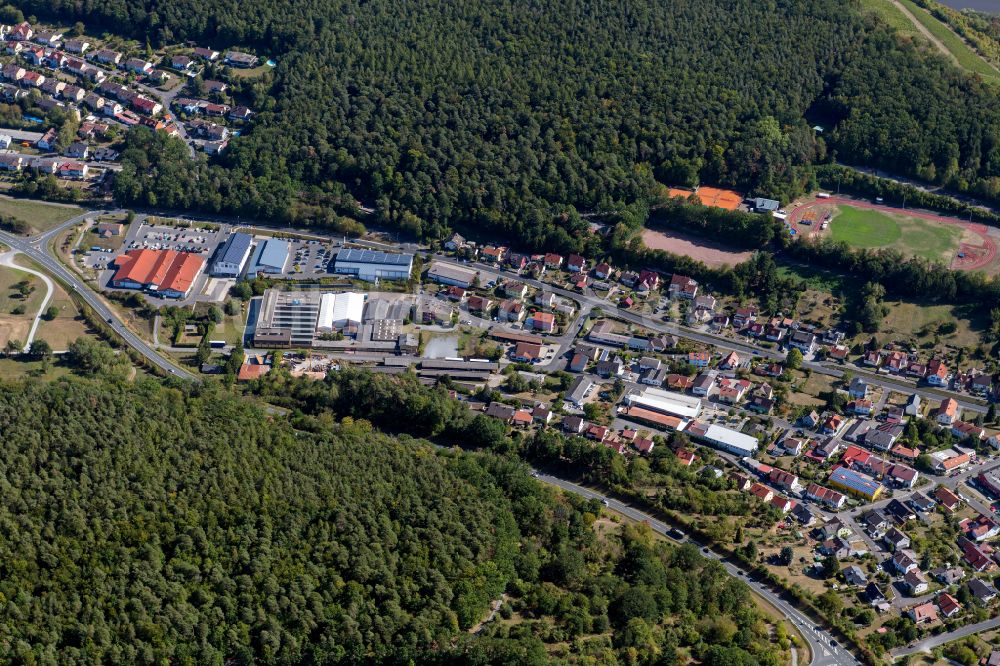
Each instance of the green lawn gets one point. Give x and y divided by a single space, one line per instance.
864 228
932 240
967 58
819 279
39 215
254 73
891 16
10 298
910 320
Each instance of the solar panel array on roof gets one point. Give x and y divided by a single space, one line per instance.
373 257
234 255
236 247
855 482
373 265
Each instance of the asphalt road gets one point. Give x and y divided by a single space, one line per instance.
824 651
720 342
821 644
932 642
38 250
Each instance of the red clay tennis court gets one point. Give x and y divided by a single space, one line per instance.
711 196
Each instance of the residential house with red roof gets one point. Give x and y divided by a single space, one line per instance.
975 556
543 321
947 413
946 498
784 480
576 263
782 504
948 604
761 492
553 261
979 529
925 613
730 362
937 373
683 287
829 497
494 254
744 316
598 432
643 445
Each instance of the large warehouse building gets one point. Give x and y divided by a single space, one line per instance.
233 256
723 438
372 265
168 273
270 257
288 318
665 402
456 276
337 311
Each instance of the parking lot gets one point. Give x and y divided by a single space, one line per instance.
163 237
310 258
141 235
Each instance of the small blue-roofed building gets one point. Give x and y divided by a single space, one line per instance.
856 483
270 257
233 255
373 265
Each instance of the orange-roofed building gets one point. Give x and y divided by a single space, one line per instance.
250 372
762 492
169 273
686 457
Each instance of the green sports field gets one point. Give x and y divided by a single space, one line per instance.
911 235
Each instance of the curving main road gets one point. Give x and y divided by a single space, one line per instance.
825 651
37 249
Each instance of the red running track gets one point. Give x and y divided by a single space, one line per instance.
978 229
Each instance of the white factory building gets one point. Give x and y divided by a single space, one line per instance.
666 402
730 440
372 265
233 255
336 311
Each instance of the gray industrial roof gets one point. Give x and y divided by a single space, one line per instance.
766 204
273 252
374 257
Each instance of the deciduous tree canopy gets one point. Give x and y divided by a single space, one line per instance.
148 524
504 115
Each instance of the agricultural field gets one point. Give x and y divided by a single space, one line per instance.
36 214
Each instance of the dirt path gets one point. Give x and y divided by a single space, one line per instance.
925 32
494 609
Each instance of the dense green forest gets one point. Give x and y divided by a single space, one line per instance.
144 524
508 115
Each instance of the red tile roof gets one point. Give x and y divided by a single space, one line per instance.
163 269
